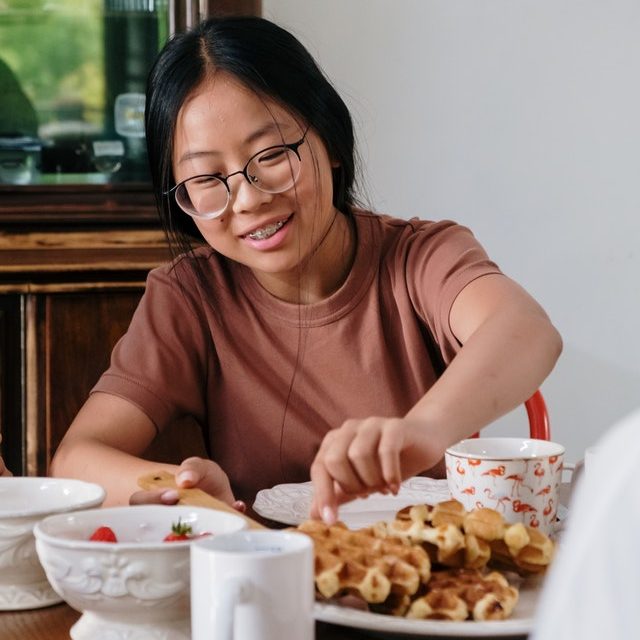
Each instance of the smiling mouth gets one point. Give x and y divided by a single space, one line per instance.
268 231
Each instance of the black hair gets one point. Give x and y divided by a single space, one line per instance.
268 60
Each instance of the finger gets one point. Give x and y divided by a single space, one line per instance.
156 496
240 506
363 456
206 475
389 450
324 505
334 456
190 472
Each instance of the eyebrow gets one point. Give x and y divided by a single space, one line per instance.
252 137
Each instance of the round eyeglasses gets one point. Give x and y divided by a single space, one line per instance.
272 170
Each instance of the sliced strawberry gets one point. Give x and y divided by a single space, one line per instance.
179 532
103 534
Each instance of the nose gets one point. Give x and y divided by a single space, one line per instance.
245 198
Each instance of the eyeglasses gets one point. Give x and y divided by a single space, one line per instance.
272 170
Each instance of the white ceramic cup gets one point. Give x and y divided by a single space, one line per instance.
253 585
519 478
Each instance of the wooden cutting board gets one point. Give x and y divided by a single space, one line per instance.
193 497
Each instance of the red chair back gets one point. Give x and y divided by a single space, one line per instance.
539 427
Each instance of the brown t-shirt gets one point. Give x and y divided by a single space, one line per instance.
267 379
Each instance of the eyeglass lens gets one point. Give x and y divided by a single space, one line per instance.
271 171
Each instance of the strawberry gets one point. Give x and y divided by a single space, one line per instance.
103 534
179 532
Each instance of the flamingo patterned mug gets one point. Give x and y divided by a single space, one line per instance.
518 478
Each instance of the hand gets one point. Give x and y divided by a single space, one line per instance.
4 472
193 472
365 456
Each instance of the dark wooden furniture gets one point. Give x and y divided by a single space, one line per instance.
73 262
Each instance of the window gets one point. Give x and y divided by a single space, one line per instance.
72 80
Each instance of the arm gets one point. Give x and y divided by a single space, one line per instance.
104 443
509 347
4 472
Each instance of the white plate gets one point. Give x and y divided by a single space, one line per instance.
289 504
520 622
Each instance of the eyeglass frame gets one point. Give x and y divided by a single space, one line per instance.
293 146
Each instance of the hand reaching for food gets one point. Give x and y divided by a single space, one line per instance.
194 472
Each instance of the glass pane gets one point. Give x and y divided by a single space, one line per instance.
72 81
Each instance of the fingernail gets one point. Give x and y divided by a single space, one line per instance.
238 505
186 476
328 515
170 496
394 488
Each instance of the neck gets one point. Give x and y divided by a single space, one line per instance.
323 272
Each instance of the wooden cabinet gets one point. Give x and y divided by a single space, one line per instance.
73 263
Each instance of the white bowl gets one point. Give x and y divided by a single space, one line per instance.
132 589
23 502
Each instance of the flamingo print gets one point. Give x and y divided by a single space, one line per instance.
499 501
517 480
534 523
460 468
543 492
538 470
470 491
549 508
495 472
518 507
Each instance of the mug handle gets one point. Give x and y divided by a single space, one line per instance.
235 590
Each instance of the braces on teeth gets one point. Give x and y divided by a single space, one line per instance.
262 234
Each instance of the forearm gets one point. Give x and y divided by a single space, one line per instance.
91 460
501 365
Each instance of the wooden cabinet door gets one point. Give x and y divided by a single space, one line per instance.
69 341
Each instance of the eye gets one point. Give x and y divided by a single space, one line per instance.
272 156
205 181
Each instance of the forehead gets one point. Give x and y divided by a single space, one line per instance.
221 115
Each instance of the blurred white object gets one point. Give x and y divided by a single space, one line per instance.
135 588
593 588
24 502
129 115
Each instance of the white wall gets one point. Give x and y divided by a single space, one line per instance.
521 119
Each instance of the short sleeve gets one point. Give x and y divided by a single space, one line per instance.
160 364
441 260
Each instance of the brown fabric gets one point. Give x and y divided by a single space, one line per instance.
267 379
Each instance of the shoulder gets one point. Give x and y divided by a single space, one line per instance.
416 237
183 280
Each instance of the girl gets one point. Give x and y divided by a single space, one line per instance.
307 336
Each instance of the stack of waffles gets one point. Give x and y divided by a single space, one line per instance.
430 562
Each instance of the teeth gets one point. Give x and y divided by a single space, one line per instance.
266 232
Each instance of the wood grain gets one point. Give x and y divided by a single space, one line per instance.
192 497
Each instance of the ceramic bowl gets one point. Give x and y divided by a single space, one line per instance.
135 588
23 502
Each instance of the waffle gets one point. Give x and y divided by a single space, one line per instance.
429 562
455 538
358 562
461 594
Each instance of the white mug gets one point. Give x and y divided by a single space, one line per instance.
253 585
519 478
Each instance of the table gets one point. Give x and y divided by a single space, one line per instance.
53 623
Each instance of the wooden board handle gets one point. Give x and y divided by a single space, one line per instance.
193 497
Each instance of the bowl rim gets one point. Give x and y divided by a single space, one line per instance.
91 545
87 503
555 448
